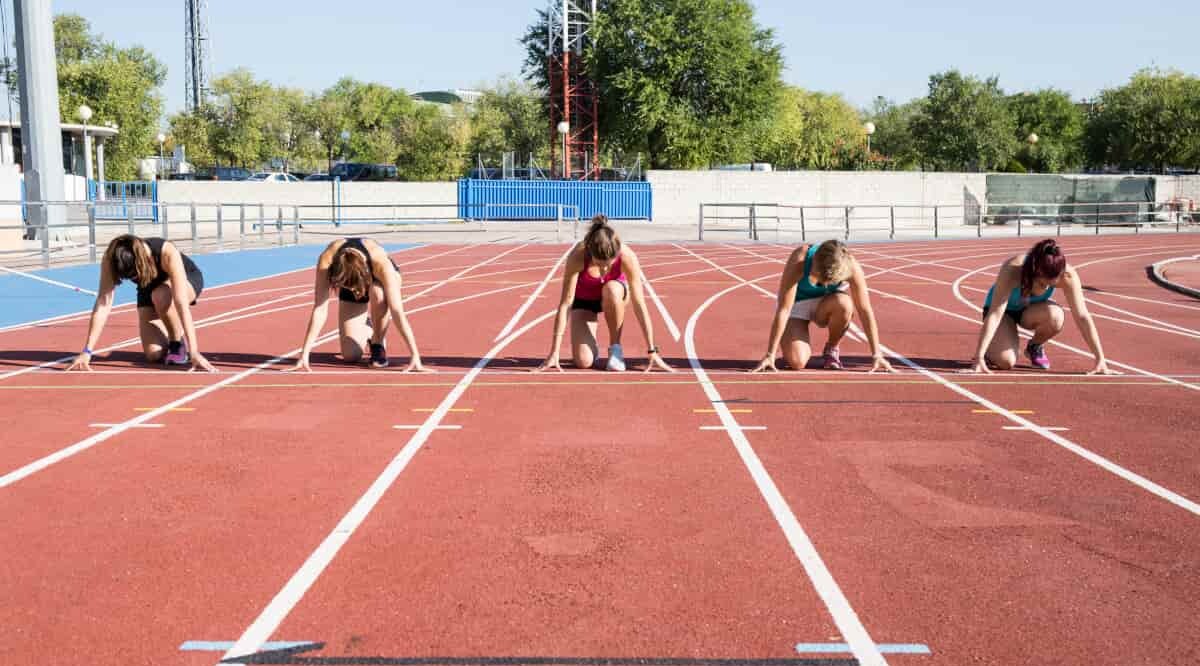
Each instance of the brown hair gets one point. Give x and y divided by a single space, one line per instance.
350 270
831 262
129 258
601 242
1045 261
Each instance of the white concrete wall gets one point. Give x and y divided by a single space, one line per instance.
678 194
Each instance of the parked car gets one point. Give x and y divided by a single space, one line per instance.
268 177
222 173
317 176
363 172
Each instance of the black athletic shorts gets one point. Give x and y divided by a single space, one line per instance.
596 305
194 278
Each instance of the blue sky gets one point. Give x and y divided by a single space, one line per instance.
861 49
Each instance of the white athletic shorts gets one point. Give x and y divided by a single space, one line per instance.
806 308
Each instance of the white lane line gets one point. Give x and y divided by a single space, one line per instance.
1050 428
285 600
662 309
1078 450
113 425
55 283
542 285
849 625
62 454
738 427
418 427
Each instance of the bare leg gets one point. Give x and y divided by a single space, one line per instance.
835 312
614 297
164 307
1044 319
381 316
153 333
1005 344
353 330
584 349
796 346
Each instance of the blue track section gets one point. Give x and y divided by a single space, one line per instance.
24 299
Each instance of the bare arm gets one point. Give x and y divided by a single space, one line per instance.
861 295
391 286
571 270
1073 286
786 298
633 272
177 273
320 310
1006 280
100 311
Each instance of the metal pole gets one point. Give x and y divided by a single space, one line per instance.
193 226
241 225
220 224
753 223
803 233
847 223
166 224
295 225
91 208
700 224
41 133
892 215
978 223
262 222
1018 223
935 221
1097 219
129 219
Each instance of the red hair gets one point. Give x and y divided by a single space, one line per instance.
1045 260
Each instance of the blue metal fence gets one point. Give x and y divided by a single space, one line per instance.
118 200
536 199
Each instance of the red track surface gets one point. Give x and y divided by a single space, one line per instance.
1186 273
586 514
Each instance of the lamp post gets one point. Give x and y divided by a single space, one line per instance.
563 128
161 139
85 114
1032 139
869 128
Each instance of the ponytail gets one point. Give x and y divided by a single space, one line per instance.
1045 260
601 242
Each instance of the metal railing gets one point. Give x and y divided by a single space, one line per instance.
754 220
75 230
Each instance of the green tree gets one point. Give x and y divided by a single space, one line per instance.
121 85
1153 121
812 130
1059 125
510 116
242 111
894 144
964 124
431 145
192 131
685 81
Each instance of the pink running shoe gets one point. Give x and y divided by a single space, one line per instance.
177 353
832 359
1037 356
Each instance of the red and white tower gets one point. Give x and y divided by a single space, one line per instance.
574 100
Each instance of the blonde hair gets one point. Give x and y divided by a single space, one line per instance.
351 271
831 262
130 258
602 242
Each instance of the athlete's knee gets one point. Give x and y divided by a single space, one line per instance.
1006 360
154 353
584 358
796 359
352 350
613 292
1057 318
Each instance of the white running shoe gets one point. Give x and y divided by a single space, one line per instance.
616 359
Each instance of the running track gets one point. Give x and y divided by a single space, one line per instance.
926 517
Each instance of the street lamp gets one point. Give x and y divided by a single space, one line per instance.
161 139
1032 139
85 114
563 128
869 128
